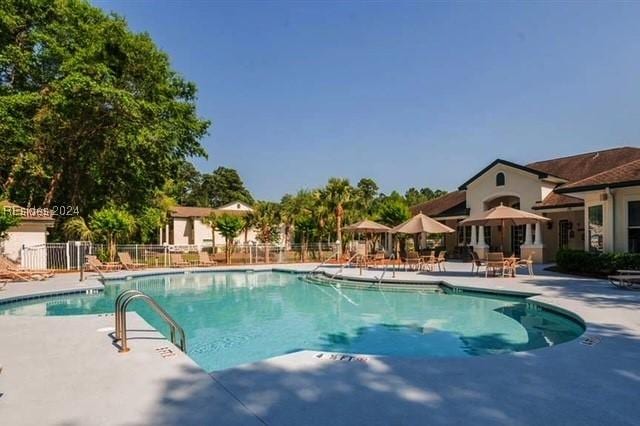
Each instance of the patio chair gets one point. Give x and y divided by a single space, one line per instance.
97 265
413 261
495 261
128 263
177 261
526 263
205 260
476 263
626 278
509 268
440 261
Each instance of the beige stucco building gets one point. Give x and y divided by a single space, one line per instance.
32 230
186 225
592 199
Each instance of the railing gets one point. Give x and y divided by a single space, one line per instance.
70 256
122 302
335 254
342 265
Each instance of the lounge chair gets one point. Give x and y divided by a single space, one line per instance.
97 265
177 261
495 261
626 278
128 263
526 263
13 272
205 260
476 263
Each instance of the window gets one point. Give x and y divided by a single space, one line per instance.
563 234
595 228
500 179
633 215
487 235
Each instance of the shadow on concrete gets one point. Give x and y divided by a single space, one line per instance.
561 385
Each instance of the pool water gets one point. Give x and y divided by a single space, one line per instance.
233 318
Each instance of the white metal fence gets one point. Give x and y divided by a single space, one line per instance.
71 255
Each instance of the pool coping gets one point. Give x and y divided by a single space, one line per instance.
594 321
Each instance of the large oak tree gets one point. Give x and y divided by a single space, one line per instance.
90 112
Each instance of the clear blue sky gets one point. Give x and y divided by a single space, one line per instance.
410 94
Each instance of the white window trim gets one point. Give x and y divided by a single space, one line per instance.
587 237
625 207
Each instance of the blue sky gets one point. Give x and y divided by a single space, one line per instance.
410 94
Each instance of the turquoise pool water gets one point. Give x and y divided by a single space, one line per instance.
241 317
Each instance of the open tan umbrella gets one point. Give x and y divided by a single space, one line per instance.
501 216
422 223
367 227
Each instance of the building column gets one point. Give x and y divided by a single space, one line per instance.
538 239
528 235
482 248
166 234
474 236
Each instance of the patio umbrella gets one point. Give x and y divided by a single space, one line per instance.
367 226
422 223
502 215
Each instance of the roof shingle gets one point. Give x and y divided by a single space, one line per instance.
453 204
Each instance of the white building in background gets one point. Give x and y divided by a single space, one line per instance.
32 230
187 226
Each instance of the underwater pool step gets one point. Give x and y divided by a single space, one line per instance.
318 279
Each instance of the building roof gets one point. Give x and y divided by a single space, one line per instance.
555 200
451 204
541 174
578 167
188 211
28 214
624 175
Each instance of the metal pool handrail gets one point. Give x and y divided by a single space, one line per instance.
342 265
334 254
122 302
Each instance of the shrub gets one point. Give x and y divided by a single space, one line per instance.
588 263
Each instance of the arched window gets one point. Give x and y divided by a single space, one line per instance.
500 179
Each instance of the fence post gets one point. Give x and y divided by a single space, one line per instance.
137 254
67 253
23 253
78 255
166 249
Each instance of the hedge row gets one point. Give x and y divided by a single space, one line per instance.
583 262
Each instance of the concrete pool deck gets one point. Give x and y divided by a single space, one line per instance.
65 371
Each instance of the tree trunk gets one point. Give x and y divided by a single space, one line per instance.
53 187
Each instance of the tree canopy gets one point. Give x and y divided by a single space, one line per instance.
90 112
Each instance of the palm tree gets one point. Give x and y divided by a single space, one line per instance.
266 218
336 195
211 220
229 227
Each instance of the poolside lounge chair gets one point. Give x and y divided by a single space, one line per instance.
14 272
97 265
476 262
178 261
128 263
205 260
495 262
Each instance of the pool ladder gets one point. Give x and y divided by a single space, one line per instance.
122 303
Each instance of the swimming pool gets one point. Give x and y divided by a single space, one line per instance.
233 318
